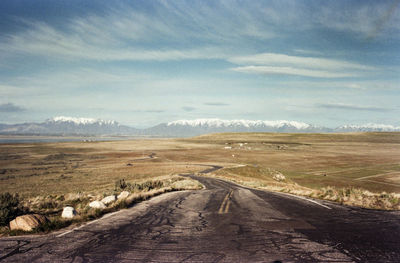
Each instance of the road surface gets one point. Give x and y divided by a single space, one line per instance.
223 223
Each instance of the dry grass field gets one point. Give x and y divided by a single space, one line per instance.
308 162
363 160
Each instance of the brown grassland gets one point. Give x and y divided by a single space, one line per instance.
354 168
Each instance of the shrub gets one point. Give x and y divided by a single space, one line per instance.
53 224
10 208
48 205
135 187
121 184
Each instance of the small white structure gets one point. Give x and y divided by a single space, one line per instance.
108 199
227 147
123 195
68 212
97 204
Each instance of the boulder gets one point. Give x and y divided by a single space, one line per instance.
108 199
27 222
123 195
68 212
97 205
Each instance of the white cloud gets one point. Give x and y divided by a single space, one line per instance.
343 106
304 62
267 70
273 63
172 32
46 41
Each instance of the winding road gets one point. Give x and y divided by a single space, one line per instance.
222 223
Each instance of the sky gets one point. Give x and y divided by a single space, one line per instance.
142 63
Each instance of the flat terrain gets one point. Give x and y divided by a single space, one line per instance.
222 223
370 161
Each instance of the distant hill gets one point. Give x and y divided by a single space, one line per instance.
183 128
69 126
370 127
179 128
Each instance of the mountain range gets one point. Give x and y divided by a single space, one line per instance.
180 128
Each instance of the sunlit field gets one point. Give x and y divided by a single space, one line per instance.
366 161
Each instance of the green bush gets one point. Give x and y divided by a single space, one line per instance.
48 205
135 187
10 208
121 184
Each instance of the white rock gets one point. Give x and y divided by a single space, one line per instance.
108 199
123 195
279 177
97 204
68 212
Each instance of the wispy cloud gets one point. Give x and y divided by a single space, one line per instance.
267 70
216 104
46 41
298 61
10 107
125 33
282 64
341 106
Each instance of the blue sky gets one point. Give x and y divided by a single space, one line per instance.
146 62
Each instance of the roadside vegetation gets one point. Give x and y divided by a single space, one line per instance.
52 205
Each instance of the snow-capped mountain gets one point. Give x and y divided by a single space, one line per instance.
239 123
179 128
184 128
369 127
81 121
70 126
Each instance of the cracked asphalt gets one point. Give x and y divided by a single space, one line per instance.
223 223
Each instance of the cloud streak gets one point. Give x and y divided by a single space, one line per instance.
129 33
45 41
341 106
282 64
219 104
272 70
298 61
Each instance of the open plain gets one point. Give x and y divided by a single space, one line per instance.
225 221
369 161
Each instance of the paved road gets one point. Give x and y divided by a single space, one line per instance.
224 223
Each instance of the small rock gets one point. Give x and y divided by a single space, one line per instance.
68 212
108 199
279 177
123 195
97 204
27 222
